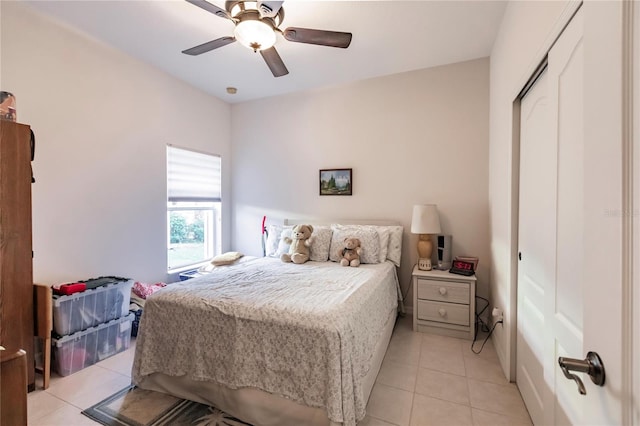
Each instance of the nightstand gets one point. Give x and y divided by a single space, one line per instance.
444 303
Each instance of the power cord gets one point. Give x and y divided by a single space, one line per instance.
479 320
480 324
404 296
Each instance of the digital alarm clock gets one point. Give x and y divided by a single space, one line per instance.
462 268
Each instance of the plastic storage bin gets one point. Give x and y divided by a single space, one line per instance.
79 350
79 311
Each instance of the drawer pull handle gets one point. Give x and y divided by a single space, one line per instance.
443 290
442 312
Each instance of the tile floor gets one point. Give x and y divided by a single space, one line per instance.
424 380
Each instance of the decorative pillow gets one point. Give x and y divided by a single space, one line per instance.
394 252
320 243
273 239
369 241
226 258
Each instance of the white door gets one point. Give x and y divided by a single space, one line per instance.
564 295
537 226
571 248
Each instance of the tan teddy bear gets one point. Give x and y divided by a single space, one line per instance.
300 242
350 254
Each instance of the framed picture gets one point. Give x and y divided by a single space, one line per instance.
336 182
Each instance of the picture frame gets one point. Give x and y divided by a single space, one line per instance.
336 182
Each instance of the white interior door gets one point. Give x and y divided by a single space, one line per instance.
536 229
570 249
564 301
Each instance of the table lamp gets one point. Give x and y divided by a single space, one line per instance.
425 221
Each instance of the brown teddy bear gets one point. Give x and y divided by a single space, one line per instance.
300 242
350 254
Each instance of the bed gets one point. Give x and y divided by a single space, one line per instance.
272 343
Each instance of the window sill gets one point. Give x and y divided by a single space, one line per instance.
181 269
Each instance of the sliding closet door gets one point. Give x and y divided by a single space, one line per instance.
536 232
571 206
551 234
564 291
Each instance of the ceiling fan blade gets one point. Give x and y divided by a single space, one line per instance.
210 45
274 62
321 37
209 7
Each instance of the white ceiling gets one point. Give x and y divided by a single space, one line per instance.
388 37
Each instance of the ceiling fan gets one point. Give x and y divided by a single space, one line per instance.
257 23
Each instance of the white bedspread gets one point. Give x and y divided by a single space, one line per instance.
305 332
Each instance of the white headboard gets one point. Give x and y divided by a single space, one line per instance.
379 222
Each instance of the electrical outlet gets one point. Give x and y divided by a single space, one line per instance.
497 315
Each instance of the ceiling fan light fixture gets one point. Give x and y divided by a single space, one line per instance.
256 25
255 34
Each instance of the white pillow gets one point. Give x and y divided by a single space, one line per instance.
383 234
394 250
283 247
320 243
390 242
274 246
369 241
273 239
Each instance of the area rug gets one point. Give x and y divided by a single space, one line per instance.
133 406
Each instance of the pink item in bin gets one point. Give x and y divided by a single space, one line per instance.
145 290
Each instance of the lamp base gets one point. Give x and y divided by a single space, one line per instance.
424 264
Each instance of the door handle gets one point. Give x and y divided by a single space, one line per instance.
592 365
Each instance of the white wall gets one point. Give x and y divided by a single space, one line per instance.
526 32
411 138
102 121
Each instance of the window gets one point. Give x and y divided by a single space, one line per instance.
193 207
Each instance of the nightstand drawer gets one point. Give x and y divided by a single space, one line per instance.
443 312
443 291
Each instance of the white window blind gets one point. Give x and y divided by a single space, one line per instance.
192 176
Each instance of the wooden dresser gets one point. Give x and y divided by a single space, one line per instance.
13 376
16 273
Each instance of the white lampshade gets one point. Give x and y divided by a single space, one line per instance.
425 220
255 34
